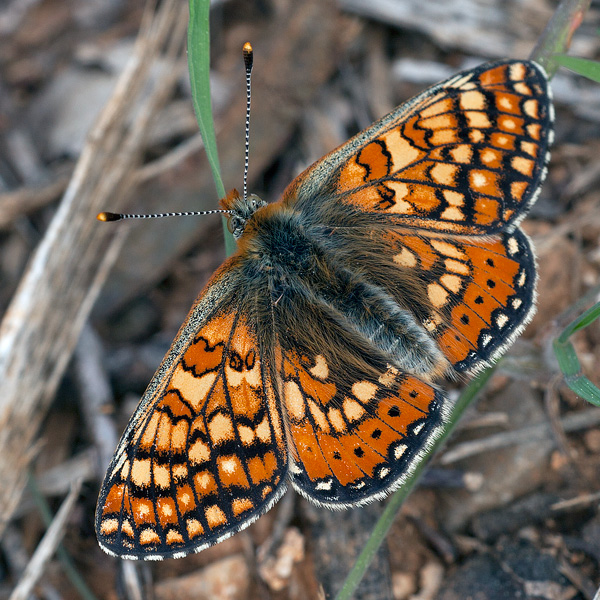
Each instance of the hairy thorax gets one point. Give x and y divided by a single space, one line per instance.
309 267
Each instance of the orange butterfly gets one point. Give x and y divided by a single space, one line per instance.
310 355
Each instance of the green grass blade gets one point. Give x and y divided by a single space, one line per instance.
581 66
199 67
568 361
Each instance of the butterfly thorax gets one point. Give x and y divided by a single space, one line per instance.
316 274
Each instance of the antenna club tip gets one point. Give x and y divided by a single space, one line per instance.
248 55
108 216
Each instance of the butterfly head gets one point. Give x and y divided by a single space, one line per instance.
240 210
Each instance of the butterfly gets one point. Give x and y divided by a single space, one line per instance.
311 356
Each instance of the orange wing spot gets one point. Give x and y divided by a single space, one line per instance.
413 131
114 499
241 505
215 517
491 158
356 452
185 499
494 76
485 182
481 302
441 137
166 511
454 346
419 394
518 188
231 472
262 469
142 511
508 103
513 124
149 536
207 351
486 210
468 323
342 464
308 452
374 160
194 528
205 484
399 413
315 388
174 537
503 140
422 250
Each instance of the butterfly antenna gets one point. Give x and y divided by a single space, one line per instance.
248 59
109 216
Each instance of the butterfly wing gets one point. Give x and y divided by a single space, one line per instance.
204 454
355 439
466 156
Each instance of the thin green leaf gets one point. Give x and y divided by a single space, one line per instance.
568 361
199 67
582 66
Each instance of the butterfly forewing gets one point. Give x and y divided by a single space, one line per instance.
204 456
466 156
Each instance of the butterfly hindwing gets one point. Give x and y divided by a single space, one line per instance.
354 440
466 156
204 454
481 292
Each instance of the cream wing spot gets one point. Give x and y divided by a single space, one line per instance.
438 296
294 400
220 428
140 472
364 390
320 370
352 410
193 389
405 258
199 452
